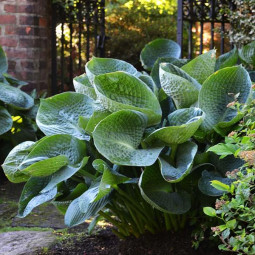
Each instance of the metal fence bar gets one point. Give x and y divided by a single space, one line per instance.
180 25
78 26
201 14
53 52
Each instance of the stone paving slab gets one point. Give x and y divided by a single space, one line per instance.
25 242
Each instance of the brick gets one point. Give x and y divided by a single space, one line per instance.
12 65
8 42
22 53
29 20
7 19
43 22
10 30
28 9
29 43
10 8
31 65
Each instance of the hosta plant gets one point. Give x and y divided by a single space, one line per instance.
130 147
17 111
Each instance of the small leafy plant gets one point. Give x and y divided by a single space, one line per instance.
131 147
236 208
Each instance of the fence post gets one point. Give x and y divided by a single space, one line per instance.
54 87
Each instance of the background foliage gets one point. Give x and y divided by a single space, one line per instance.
132 24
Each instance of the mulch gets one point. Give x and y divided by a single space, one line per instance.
106 243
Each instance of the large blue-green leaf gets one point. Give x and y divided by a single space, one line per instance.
31 195
202 66
46 167
185 155
218 91
183 124
118 136
227 60
64 173
155 69
60 114
8 79
205 186
97 116
97 66
15 97
177 84
160 194
3 61
120 90
52 146
229 163
247 53
5 120
149 82
82 85
156 49
14 159
84 207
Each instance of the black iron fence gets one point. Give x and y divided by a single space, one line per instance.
205 23
78 33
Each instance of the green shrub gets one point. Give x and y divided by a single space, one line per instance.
130 147
236 208
242 21
132 24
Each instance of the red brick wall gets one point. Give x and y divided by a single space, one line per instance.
25 36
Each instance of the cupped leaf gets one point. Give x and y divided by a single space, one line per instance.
183 124
52 146
64 173
204 184
155 69
14 159
220 89
46 167
31 195
60 114
227 60
5 120
15 97
202 66
160 194
97 66
14 81
118 136
247 53
84 208
229 163
149 82
156 49
97 116
179 85
185 155
3 61
82 85
120 91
